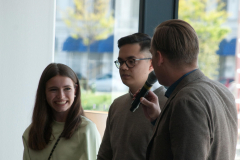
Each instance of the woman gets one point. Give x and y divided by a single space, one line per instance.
59 130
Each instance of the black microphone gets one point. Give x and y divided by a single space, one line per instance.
143 92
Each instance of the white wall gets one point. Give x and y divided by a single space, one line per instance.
26 47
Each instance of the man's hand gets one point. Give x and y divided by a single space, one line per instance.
150 105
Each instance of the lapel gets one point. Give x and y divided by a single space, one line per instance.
185 81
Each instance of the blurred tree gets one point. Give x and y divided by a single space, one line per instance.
90 20
207 18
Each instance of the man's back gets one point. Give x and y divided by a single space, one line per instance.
199 121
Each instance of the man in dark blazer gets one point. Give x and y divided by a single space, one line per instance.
199 120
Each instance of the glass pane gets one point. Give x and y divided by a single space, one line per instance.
87 32
216 23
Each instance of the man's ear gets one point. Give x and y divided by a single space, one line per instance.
151 66
160 58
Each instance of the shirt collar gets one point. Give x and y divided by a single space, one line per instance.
174 85
130 93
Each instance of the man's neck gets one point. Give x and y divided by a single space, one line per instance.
134 89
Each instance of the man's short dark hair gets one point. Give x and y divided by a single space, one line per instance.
177 40
142 39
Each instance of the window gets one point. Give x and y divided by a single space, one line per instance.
87 32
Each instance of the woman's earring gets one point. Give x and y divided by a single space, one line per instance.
74 95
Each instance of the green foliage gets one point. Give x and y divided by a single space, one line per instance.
101 101
90 20
207 21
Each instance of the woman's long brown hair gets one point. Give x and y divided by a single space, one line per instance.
41 126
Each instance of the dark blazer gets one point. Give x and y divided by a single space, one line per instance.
198 122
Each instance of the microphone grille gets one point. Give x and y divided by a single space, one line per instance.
152 78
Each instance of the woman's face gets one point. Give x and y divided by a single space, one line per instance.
60 94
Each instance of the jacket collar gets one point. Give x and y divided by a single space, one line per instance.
197 74
175 84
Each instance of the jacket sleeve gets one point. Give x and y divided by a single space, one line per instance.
190 131
105 151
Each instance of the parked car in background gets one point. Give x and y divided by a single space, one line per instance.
107 83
